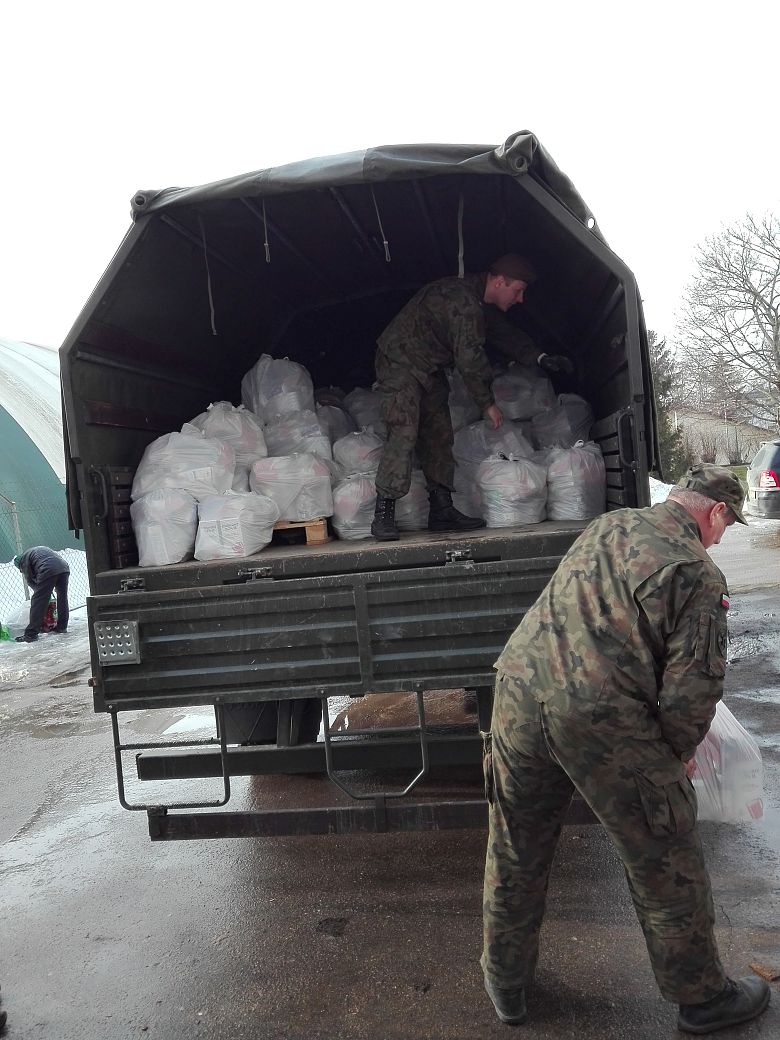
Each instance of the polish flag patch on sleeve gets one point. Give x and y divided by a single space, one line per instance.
724 602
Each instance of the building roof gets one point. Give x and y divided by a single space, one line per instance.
30 394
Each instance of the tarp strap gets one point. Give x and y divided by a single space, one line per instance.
265 238
385 243
460 236
208 274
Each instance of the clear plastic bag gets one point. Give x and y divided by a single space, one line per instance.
359 452
411 511
299 484
576 482
187 461
165 523
353 507
522 392
728 778
234 525
298 432
335 421
235 426
463 408
277 386
472 445
365 407
513 490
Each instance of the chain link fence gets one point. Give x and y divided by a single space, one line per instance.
21 528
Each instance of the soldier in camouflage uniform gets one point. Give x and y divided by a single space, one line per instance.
446 324
607 687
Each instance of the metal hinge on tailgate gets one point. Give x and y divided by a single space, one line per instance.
462 556
256 574
132 585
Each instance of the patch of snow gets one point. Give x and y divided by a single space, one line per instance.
658 491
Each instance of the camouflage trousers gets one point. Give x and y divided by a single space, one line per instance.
638 790
416 417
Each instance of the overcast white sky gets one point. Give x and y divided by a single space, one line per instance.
663 114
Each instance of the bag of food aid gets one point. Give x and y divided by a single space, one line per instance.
728 777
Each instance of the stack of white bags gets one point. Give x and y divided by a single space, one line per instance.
216 489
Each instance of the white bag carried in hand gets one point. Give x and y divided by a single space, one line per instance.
236 427
277 386
299 484
513 490
187 461
164 522
234 525
576 482
728 778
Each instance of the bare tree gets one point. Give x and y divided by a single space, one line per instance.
709 445
730 334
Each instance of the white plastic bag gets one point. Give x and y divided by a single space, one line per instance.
335 421
298 432
365 407
463 408
353 506
359 452
513 490
18 619
299 484
728 778
188 461
472 445
234 525
277 386
576 482
164 522
522 392
235 426
568 421
411 511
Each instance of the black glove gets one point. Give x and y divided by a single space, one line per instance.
555 363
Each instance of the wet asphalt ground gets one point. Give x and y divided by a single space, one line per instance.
106 935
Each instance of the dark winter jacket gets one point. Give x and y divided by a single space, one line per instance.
41 564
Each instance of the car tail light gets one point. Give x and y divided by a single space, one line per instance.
768 479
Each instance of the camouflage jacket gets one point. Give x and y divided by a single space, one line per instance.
630 632
446 324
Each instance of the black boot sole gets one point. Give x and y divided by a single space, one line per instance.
748 1016
456 527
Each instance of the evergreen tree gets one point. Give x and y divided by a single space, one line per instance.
675 454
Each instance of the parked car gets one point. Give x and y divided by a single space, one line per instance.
763 477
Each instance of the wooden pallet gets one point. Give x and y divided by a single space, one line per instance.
315 531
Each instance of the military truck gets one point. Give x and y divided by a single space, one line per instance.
310 261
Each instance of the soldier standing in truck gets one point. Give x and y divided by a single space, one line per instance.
446 324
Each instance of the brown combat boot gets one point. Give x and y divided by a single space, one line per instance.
738 1002
383 526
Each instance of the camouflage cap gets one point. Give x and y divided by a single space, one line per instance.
515 267
717 483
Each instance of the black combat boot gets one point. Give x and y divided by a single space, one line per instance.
738 1002
443 516
509 1003
383 525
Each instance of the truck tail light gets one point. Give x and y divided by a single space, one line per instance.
768 479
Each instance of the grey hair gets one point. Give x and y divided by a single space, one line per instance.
693 501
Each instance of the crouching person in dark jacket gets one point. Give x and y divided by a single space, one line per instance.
45 572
